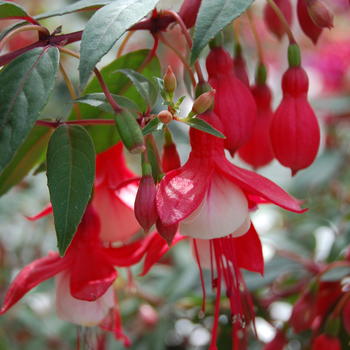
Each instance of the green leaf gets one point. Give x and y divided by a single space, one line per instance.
25 87
143 85
152 126
212 17
178 103
336 274
106 136
161 88
99 100
10 10
70 175
152 158
104 28
202 125
29 154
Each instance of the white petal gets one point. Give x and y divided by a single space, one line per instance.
84 313
225 209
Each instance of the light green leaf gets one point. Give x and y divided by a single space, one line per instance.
70 175
11 10
213 16
161 88
152 126
25 87
104 28
202 125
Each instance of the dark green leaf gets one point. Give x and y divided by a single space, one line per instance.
143 85
70 174
98 100
202 125
160 85
105 136
152 126
25 87
29 154
212 17
11 10
104 28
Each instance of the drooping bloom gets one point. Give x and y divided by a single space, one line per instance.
114 197
326 342
234 103
294 130
320 13
224 257
210 195
188 12
257 152
306 23
273 22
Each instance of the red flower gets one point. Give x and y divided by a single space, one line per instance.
273 22
326 342
234 103
306 23
346 316
257 152
278 342
114 197
212 193
294 130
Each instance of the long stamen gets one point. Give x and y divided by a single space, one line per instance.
211 263
202 279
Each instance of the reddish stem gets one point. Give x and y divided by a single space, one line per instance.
56 123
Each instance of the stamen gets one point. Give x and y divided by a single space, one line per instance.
200 314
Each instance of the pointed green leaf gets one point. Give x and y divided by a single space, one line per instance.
152 126
99 100
10 10
29 154
25 87
152 158
213 16
160 85
104 28
143 85
70 175
202 125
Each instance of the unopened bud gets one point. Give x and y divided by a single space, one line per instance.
167 232
170 156
165 117
294 56
203 102
332 326
129 131
169 80
148 315
145 202
320 13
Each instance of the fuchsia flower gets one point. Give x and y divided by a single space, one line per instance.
326 342
234 103
113 197
273 22
257 152
209 195
294 130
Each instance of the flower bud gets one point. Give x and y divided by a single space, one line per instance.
165 117
273 22
145 202
169 80
148 315
326 342
203 102
306 23
188 12
170 157
167 232
129 131
320 13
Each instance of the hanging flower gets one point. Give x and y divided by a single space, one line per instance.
114 197
326 342
234 103
210 195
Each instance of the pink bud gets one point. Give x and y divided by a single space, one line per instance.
326 342
170 156
167 232
306 23
273 22
165 117
203 102
188 12
145 202
169 80
320 13
148 315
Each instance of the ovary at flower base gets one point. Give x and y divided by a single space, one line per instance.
209 195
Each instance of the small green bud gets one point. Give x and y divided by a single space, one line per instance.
129 131
261 74
169 80
294 56
218 41
146 169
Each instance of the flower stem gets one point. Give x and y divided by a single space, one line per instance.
283 20
125 41
71 91
10 35
54 124
256 36
189 41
